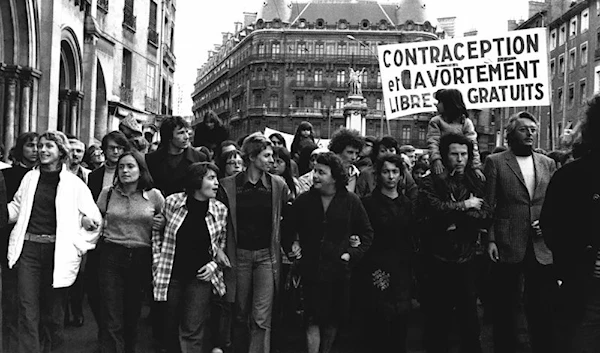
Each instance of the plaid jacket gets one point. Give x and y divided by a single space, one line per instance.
163 242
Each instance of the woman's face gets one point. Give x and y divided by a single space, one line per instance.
305 133
440 107
276 142
129 171
234 165
312 161
48 152
278 166
322 178
97 157
210 185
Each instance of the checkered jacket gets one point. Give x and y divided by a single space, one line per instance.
163 242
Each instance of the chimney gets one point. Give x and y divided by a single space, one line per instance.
238 27
249 18
225 37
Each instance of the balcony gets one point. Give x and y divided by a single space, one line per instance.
126 94
153 37
258 84
129 19
103 5
308 112
168 57
308 85
597 54
151 104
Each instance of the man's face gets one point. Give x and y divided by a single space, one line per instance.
113 151
30 151
366 151
181 137
525 132
77 151
412 156
349 154
264 160
458 157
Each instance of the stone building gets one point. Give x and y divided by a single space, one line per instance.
81 65
290 61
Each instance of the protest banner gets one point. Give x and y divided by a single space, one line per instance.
508 70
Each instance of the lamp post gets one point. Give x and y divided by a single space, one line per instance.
383 117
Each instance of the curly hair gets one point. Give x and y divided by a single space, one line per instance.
61 141
386 141
344 138
338 172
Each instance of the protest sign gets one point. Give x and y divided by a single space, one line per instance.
508 70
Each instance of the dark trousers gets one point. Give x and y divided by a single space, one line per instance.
221 318
580 324
41 307
123 274
450 286
186 316
539 299
74 300
91 285
10 313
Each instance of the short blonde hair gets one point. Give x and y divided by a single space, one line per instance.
64 147
253 145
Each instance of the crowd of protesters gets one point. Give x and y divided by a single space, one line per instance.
228 241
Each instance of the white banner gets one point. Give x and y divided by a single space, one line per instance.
508 70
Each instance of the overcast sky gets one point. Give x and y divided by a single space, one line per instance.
199 25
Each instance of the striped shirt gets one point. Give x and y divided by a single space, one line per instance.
164 242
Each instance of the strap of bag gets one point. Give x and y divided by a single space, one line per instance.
110 191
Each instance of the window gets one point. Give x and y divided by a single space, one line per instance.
582 92
583 54
150 70
330 49
318 77
378 79
275 75
553 39
319 49
378 104
560 97
422 133
405 134
258 99
561 63
571 94
261 49
339 102
364 50
552 67
562 34
126 69
300 101
274 101
302 49
317 102
341 77
300 77
342 49
152 18
364 78
585 20
275 48
573 27
572 59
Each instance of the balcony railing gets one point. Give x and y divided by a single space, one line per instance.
168 57
103 4
153 37
129 19
151 104
126 94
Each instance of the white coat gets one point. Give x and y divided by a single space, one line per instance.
73 200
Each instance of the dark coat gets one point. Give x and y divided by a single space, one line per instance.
514 209
95 180
228 195
325 236
569 224
451 230
166 179
210 138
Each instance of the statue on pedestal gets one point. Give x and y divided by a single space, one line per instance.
354 82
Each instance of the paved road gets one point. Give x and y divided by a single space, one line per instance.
83 339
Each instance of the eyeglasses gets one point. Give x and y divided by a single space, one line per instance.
235 163
97 153
115 148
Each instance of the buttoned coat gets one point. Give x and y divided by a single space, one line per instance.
514 209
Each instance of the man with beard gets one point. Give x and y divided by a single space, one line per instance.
516 186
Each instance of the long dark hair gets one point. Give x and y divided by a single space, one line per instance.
304 159
297 143
454 105
284 154
145 181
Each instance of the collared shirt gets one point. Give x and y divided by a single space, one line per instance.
128 217
164 242
254 212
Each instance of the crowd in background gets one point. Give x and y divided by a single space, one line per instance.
229 241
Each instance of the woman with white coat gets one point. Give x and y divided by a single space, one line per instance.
48 241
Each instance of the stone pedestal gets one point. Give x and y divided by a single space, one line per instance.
355 113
